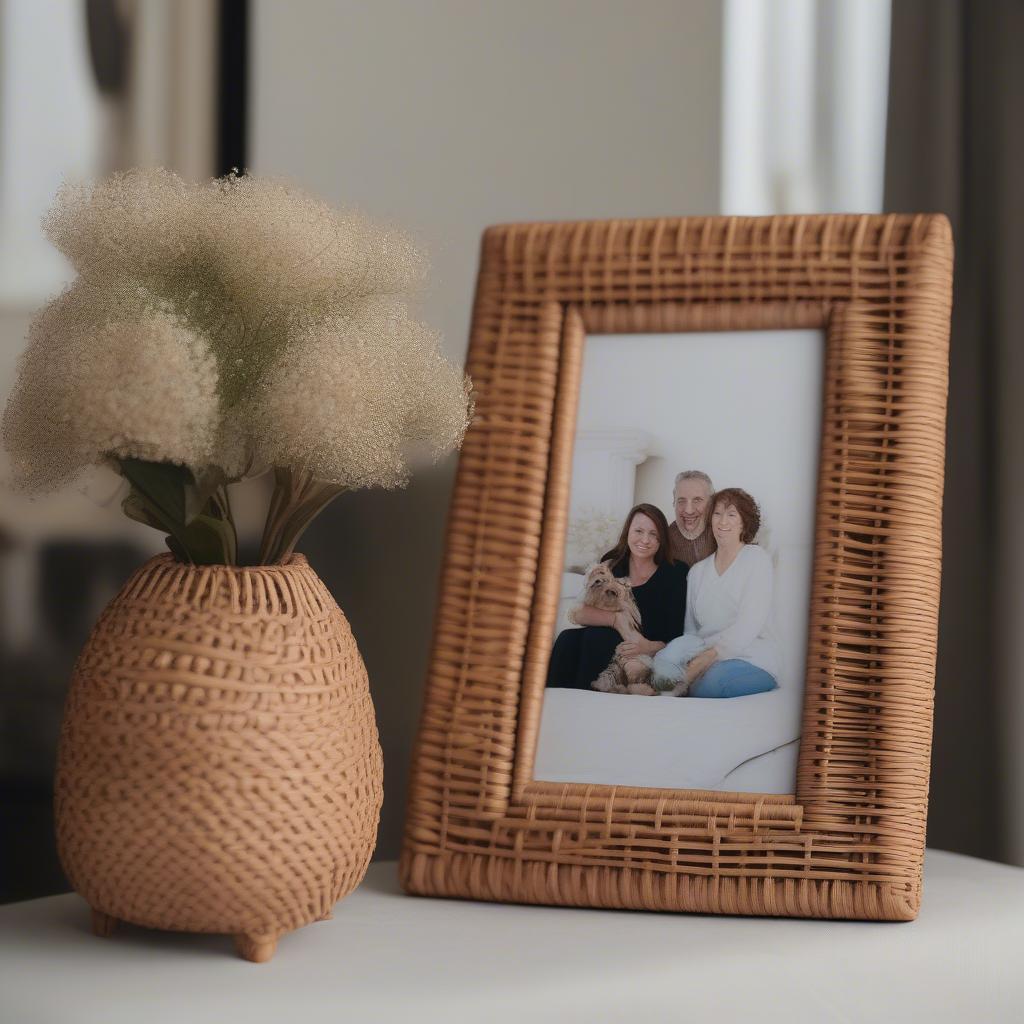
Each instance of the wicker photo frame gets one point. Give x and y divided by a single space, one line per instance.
849 843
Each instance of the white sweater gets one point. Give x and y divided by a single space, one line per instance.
733 612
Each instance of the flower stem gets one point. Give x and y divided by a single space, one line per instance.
297 499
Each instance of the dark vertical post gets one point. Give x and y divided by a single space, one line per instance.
232 85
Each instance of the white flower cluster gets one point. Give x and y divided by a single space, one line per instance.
590 535
142 384
236 323
353 398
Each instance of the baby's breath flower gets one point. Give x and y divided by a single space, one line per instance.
88 391
231 326
350 400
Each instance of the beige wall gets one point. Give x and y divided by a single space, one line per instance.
448 116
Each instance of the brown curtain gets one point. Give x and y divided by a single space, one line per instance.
954 144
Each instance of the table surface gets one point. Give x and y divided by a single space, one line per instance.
386 956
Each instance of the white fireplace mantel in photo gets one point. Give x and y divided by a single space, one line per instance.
604 465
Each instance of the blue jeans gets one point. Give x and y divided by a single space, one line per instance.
732 678
671 661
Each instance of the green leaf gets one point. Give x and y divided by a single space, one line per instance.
161 492
176 549
162 484
204 488
136 508
210 541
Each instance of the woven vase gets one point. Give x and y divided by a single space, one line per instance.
219 768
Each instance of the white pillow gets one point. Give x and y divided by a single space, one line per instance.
572 591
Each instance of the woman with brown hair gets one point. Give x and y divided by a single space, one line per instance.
643 558
727 649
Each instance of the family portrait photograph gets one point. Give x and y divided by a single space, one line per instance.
678 655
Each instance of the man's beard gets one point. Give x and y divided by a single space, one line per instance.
691 535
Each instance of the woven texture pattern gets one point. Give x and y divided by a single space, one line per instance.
219 768
850 841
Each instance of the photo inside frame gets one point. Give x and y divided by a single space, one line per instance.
707 690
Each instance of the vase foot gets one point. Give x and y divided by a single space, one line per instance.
103 924
257 948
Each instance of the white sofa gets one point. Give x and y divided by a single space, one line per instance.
740 744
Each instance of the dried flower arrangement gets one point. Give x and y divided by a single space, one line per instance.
590 533
221 330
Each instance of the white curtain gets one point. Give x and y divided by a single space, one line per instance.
804 91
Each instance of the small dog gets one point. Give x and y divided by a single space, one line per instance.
614 594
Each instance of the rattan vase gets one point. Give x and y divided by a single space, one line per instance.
219 768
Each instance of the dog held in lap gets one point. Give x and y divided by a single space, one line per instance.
610 593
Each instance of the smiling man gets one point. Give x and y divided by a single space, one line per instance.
690 533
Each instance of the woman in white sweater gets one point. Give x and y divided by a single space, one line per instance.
727 649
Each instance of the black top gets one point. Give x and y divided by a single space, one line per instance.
580 655
661 600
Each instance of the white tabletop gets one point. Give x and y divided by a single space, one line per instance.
386 957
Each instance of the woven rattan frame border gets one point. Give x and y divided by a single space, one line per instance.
850 842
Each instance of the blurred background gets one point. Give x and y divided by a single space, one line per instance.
452 115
